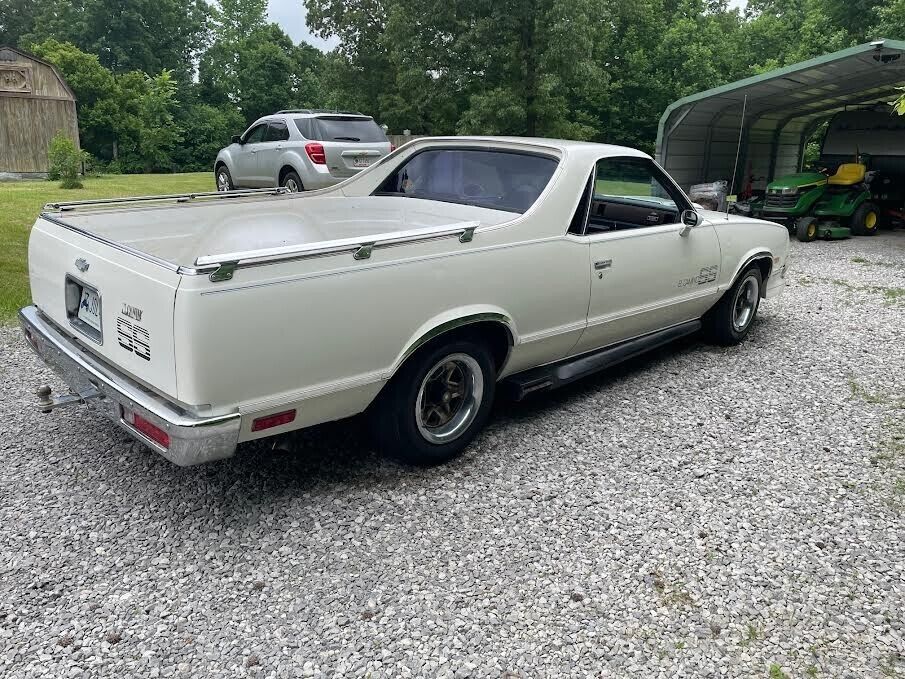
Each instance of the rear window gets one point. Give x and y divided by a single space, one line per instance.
340 128
501 180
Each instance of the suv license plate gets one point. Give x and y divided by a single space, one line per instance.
90 308
364 161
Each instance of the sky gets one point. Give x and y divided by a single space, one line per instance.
290 15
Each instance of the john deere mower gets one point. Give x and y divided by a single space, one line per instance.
844 209
813 205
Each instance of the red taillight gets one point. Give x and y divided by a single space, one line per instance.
149 429
316 153
271 421
392 147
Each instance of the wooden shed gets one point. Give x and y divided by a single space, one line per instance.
35 103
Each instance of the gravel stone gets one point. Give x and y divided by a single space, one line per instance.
698 512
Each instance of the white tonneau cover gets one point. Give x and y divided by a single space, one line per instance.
183 233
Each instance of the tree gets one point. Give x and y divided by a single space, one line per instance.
466 59
94 87
126 35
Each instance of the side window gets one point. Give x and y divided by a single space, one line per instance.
631 193
303 125
500 180
256 134
277 131
579 222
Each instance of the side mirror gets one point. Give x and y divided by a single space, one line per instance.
690 219
236 139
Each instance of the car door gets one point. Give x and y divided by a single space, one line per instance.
246 160
648 271
269 151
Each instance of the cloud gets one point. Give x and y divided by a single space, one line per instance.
291 15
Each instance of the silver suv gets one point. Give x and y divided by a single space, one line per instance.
302 150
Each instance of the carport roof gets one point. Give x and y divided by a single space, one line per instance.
807 90
698 135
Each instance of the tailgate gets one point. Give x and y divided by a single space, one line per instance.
118 305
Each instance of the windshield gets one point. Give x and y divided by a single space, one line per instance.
502 180
340 128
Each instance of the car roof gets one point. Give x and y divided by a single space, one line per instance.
564 146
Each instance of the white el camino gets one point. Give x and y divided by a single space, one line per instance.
414 291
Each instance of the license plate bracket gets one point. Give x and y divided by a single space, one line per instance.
84 310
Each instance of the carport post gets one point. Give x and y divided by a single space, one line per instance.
664 144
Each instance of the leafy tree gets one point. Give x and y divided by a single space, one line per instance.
207 129
94 87
18 17
255 65
145 35
146 132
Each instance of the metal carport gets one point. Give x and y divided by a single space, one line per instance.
698 135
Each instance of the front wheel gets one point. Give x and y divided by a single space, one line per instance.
806 229
224 179
730 321
436 404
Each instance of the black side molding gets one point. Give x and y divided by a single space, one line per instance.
571 369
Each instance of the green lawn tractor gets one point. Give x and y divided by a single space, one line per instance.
792 197
813 205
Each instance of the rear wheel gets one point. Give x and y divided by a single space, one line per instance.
866 220
731 319
437 403
292 182
806 229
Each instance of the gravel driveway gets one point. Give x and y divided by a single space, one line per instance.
699 512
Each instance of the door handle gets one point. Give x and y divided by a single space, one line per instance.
603 264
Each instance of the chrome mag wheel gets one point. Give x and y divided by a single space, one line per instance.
745 303
291 185
449 398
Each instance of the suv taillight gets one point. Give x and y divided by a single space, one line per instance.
316 153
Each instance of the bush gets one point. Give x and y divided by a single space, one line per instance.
65 161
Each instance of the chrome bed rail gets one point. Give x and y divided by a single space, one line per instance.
222 266
175 197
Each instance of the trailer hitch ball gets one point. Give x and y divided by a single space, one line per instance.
44 401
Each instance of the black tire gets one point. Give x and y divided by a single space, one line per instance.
403 434
806 229
223 179
292 181
722 323
866 220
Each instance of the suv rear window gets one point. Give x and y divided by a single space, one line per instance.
501 180
340 128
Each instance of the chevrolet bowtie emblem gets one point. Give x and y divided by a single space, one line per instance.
81 265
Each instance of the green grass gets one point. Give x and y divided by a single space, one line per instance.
21 202
609 187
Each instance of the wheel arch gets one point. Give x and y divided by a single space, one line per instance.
286 168
763 258
490 324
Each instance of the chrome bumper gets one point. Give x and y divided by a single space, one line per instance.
193 438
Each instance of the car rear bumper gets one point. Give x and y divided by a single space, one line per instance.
193 438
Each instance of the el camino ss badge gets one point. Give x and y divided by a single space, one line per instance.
707 275
81 264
